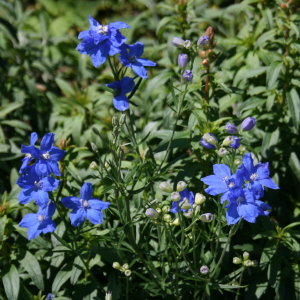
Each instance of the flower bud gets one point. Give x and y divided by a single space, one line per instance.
248 263
175 196
187 75
237 162
228 141
199 199
246 255
151 213
248 123
208 217
236 260
116 265
127 273
208 141
184 204
108 296
93 165
222 152
181 185
176 222
182 60
188 214
205 61
203 40
167 218
166 209
158 209
236 143
231 128
177 42
187 44
125 266
166 187
204 270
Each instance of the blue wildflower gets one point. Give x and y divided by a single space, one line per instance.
121 88
101 41
40 222
85 207
187 75
185 203
46 157
28 157
35 187
130 57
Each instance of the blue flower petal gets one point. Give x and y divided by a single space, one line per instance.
139 70
118 25
232 216
248 162
33 138
28 220
86 191
121 103
71 202
77 216
98 204
248 211
146 62
94 216
222 170
47 142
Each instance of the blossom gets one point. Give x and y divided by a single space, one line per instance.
85 207
258 175
46 157
185 203
232 141
121 88
40 222
28 157
130 57
248 123
101 41
36 187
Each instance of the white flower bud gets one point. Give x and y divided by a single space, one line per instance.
185 204
204 270
167 218
166 187
199 199
208 217
151 213
246 255
181 185
175 196
236 260
127 273
116 265
188 214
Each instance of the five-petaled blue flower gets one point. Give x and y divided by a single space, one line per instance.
85 207
40 222
36 187
130 57
121 88
46 157
101 41
185 203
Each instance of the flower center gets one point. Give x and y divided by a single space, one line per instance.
38 184
132 58
28 155
41 218
84 203
240 200
103 29
254 176
46 155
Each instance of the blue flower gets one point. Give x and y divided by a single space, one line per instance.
245 206
85 207
46 157
258 175
248 124
40 222
187 75
35 187
223 182
130 57
121 88
28 157
203 40
185 203
101 41
236 143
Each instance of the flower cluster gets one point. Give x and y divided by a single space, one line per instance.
209 141
242 190
102 41
36 182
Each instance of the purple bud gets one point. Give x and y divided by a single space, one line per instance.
236 143
177 42
203 40
187 75
151 213
208 217
248 123
204 270
208 141
231 128
182 60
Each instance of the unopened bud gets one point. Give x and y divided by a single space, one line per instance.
166 187
228 140
188 214
231 128
248 263
208 217
248 124
176 222
181 185
204 270
175 196
116 265
177 42
246 255
108 296
203 40
187 75
125 266
166 209
158 209
222 152
127 273
182 60
236 260
237 162
93 165
210 138
167 218
185 204
199 199
151 213
187 44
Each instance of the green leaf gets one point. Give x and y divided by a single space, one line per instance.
294 163
77 269
270 139
32 267
65 87
294 106
11 283
6 109
61 277
272 73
